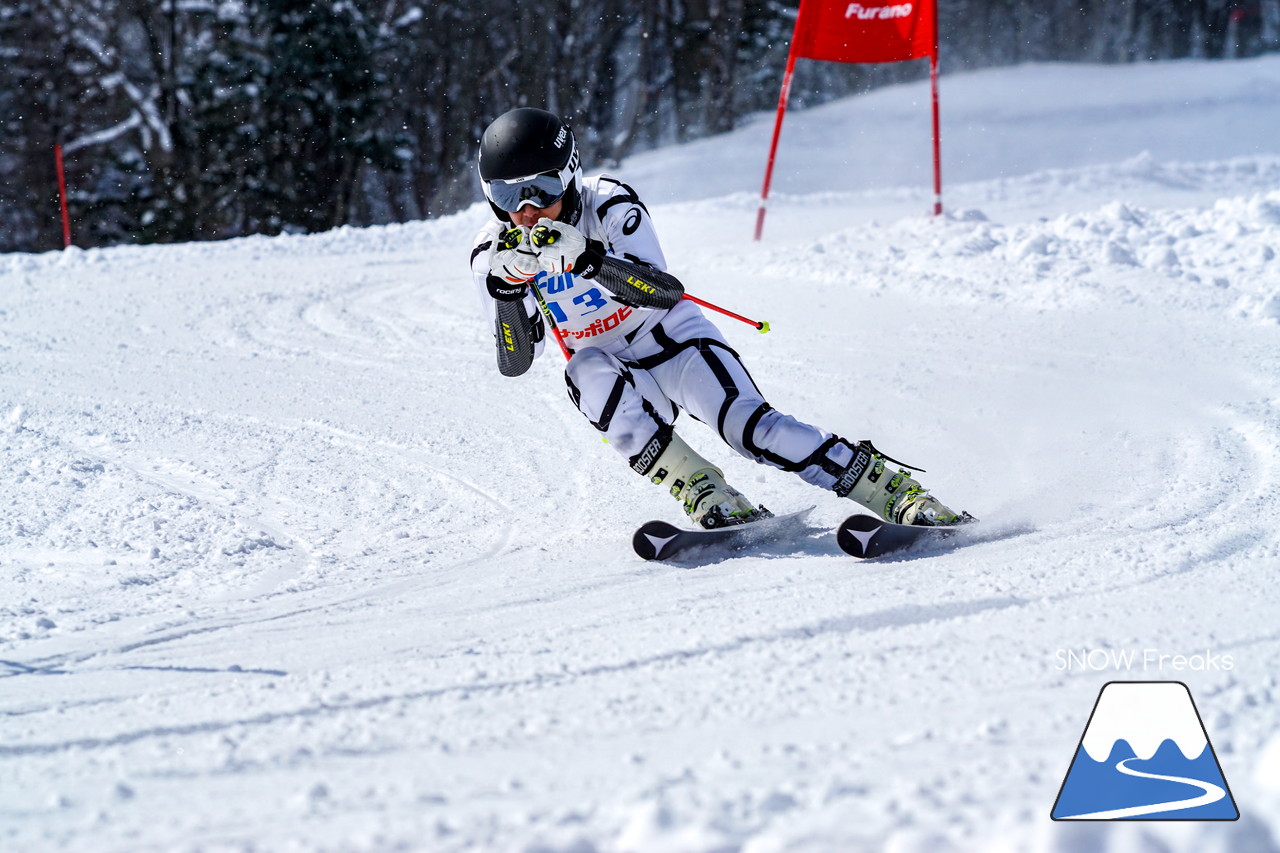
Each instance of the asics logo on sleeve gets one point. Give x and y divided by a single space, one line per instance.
632 223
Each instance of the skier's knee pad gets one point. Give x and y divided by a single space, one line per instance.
589 375
591 364
625 405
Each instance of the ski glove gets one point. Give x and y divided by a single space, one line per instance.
512 263
563 248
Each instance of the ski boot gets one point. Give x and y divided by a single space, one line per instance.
895 496
708 500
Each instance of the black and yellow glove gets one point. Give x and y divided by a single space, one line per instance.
563 248
513 262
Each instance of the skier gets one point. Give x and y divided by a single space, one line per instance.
584 254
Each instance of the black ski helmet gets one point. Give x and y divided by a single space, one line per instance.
525 142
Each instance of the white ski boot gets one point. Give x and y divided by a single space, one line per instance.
897 496
708 500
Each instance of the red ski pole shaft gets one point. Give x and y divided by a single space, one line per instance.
761 325
563 348
551 321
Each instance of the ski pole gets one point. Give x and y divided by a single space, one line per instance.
551 321
761 326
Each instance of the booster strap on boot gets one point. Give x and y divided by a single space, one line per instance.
865 455
849 478
646 460
667 460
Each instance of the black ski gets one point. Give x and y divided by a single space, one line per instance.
866 536
662 540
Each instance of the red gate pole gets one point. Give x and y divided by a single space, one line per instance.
62 196
937 127
777 130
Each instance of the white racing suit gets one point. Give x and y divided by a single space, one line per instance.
632 370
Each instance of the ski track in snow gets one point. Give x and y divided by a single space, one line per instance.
285 564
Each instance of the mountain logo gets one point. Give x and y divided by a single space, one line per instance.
1145 755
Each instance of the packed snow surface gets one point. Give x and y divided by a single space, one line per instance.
285 564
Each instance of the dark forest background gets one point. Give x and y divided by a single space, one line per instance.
205 119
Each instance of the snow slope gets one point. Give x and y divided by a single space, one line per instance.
286 565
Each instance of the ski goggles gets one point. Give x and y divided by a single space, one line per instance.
539 190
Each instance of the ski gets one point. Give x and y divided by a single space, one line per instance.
662 540
866 536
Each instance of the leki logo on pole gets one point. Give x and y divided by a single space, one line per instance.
1145 755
